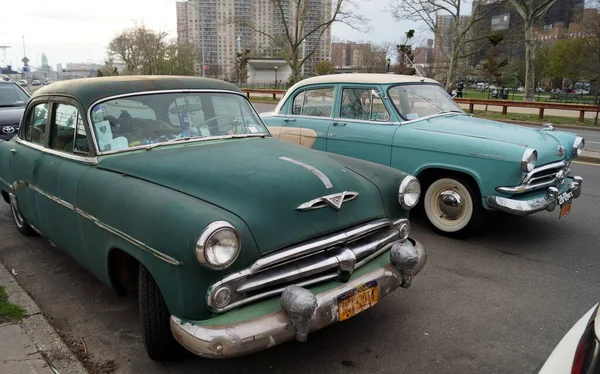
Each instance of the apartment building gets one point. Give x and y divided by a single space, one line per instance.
220 27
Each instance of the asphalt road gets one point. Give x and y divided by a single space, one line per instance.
592 138
495 303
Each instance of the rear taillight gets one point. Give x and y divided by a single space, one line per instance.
585 349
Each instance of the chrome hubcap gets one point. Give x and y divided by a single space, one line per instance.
451 204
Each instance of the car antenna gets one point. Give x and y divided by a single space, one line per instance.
413 65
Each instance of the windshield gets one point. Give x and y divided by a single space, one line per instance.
158 118
12 96
414 101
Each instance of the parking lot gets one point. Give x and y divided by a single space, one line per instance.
495 303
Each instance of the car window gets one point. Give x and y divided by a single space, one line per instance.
157 118
419 100
12 96
363 104
35 130
314 102
67 130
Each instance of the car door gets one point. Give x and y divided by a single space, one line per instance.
26 153
363 127
66 158
306 118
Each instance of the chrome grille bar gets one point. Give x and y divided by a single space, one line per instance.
540 177
307 264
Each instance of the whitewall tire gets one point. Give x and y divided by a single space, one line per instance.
453 206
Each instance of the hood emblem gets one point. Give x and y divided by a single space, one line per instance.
561 151
8 129
334 201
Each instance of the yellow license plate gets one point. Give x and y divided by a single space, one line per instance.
358 299
565 209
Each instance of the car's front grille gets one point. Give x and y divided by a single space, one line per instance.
543 176
334 256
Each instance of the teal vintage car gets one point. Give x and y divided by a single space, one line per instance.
173 188
465 164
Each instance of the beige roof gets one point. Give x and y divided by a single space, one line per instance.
364 78
354 78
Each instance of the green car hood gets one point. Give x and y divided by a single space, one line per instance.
544 142
248 178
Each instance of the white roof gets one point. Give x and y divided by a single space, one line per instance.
354 78
364 78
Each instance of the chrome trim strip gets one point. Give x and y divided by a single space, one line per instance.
70 156
312 169
304 260
99 223
5 182
366 120
473 136
302 116
141 93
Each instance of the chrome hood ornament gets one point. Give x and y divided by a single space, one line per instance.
561 151
334 201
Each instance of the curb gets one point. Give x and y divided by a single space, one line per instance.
49 343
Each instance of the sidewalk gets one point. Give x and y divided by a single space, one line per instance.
31 345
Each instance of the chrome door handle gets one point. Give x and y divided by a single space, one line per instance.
288 119
13 150
339 124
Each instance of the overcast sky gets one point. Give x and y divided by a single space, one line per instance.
77 31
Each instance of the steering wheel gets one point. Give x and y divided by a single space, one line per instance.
215 126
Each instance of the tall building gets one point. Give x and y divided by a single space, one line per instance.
503 17
356 55
220 27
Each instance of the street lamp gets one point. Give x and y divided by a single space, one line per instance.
276 85
388 61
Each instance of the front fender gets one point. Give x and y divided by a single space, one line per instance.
159 227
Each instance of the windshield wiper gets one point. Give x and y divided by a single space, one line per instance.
150 146
451 111
11 105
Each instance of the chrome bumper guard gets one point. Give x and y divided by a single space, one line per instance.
302 311
548 202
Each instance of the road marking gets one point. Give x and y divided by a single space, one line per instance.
584 163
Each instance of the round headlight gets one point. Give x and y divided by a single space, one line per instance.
578 146
409 192
528 160
218 246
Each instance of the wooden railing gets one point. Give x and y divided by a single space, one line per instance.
581 108
248 91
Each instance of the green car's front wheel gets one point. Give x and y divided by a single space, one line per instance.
453 206
154 316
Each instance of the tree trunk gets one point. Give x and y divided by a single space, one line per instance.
295 66
529 62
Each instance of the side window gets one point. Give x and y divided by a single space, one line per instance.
363 104
315 102
35 130
67 132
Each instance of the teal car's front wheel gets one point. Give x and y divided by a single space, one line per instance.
453 206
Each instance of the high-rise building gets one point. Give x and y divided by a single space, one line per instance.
356 56
220 27
501 17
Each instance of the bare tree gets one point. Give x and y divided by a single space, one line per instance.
530 11
427 11
144 51
298 25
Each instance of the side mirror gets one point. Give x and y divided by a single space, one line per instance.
375 93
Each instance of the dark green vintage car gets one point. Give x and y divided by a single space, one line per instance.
234 241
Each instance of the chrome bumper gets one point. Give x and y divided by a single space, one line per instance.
548 202
302 312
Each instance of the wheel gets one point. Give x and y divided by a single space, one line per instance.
154 316
453 206
22 225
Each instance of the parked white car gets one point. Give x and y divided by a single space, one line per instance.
579 350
